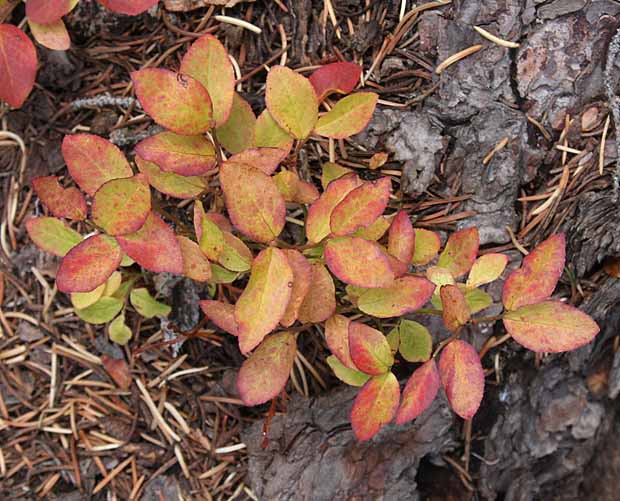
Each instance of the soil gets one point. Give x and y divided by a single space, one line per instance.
483 143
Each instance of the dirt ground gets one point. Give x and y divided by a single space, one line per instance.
520 137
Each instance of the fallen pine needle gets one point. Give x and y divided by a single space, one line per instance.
239 22
457 57
601 157
494 39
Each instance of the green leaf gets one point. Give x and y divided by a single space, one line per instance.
416 343
119 332
238 132
346 375
146 305
102 311
350 116
52 235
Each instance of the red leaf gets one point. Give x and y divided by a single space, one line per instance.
538 275
154 246
178 102
369 349
221 314
462 377
460 252
455 310
93 161
264 375
18 65
375 405
361 207
129 7
53 36
405 295
401 238
550 327
302 280
61 202
265 159
320 301
89 264
358 262
118 370
337 339
335 77
47 11
419 392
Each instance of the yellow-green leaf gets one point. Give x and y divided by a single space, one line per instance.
238 132
416 343
52 235
486 269
169 183
349 376
270 135
146 305
102 311
119 332
350 116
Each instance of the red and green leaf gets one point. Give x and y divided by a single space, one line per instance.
293 189
550 327
462 377
460 252
88 264
427 244
52 235
341 77
129 7
486 269
375 405
349 116
401 238
265 298
238 132
369 349
195 264
268 134
359 262
264 375
61 202
207 61
419 392
539 274
302 281
337 339
361 207
265 159
18 65
455 310
169 183
48 11
291 101
53 36
175 101
405 295
375 230
154 246
320 301
93 161
221 314
121 206
183 155
235 255
332 171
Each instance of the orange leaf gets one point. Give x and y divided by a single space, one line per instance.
154 246
376 230
129 7
207 61
18 65
401 239
238 132
293 189
302 280
47 11
265 298
265 159
221 314
291 101
52 235
178 102
486 269
361 207
89 264
264 375
539 274
121 206
195 264
405 295
270 135
455 310
426 247
93 161
335 77
349 116
419 392
550 327
54 35
337 338
254 203
375 405
61 202
358 262
118 370
320 302
460 252
462 377
319 214
183 155
173 185
369 349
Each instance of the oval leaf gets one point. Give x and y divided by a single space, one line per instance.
539 274
235 255
332 171
48 11
173 185
419 392
302 280
416 343
263 302
269 134
291 101
320 302
264 375
359 262
183 155
61 202
118 332
486 269
376 230
221 314
254 203
129 7
349 376
93 161
550 327
401 238
81 300
175 101
455 310
361 207
207 61
117 368
460 252
54 36
237 133
341 77
265 159
146 305
427 244
350 116
375 405
405 295
52 235
369 349
88 264
121 206
462 377
102 311
337 338
154 246
195 264
18 65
